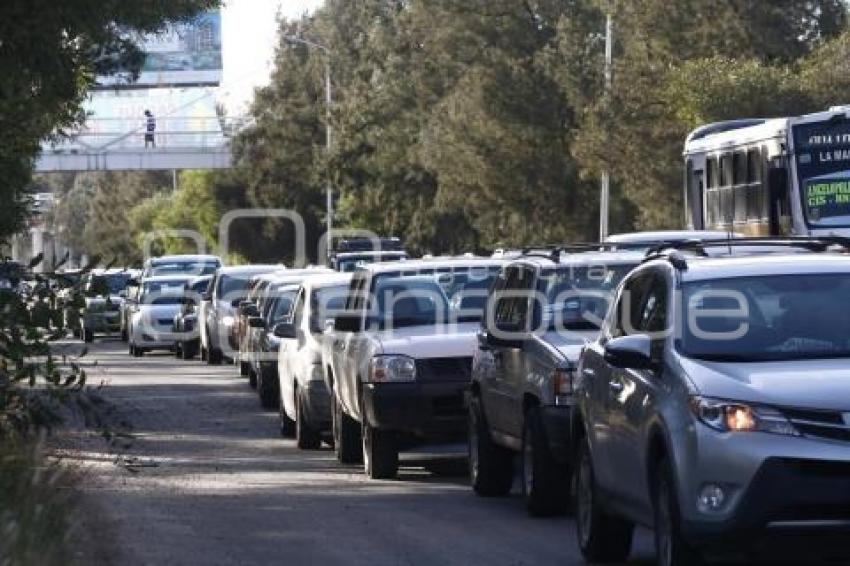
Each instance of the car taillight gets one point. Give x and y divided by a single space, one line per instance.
562 385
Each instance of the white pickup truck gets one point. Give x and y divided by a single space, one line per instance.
398 360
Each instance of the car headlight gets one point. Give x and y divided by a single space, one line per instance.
228 320
731 416
392 369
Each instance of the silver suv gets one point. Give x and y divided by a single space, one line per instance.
715 406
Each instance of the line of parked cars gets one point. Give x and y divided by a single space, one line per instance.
692 383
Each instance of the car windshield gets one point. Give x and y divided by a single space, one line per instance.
752 319
576 297
184 268
233 285
163 292
111 284
408 301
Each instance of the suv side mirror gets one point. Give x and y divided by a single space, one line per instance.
256 322
347 322
284 330
630 352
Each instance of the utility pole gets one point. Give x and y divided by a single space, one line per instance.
328 127
605 189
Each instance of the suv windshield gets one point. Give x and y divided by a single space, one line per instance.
577 296
751 319
408 301
350 263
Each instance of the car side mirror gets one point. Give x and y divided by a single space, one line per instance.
347 322
630 352
256 322
285 330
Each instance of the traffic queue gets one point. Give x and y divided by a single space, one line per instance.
696 383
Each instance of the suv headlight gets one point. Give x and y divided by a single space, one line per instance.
731 416
392 369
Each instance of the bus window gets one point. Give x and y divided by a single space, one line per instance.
755 192
712 173
725 170
740 188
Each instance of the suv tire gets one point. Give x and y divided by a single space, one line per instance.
545 480
346 434
380 453
671 549
287 425
266 388
602 538
491 467
306 437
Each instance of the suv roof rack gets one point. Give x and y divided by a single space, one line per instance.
671 251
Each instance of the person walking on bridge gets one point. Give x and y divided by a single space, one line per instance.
150 129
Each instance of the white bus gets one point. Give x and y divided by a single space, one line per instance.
778 176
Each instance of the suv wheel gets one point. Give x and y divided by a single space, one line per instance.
287 425
602 537
491 467
380 453
266 384
346 433
306 437
671 549
545 481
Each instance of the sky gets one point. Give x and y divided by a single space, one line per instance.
249 29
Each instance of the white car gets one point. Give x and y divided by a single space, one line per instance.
152 316
401 358
304 399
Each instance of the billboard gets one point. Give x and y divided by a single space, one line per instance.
187 53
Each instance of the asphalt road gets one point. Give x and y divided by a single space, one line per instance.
207 479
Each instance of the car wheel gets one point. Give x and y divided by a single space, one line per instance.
244 369
287 425
380 453
88 335
545 481
124 336
138 352
602 537
267 388
306 437
178 351
670 547
189 349
214 356
346 434
131 349
491 467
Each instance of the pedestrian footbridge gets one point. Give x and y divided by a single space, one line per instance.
118 144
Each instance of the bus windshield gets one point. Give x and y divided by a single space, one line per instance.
823 169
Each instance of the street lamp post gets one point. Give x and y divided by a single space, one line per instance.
605 189
328 126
